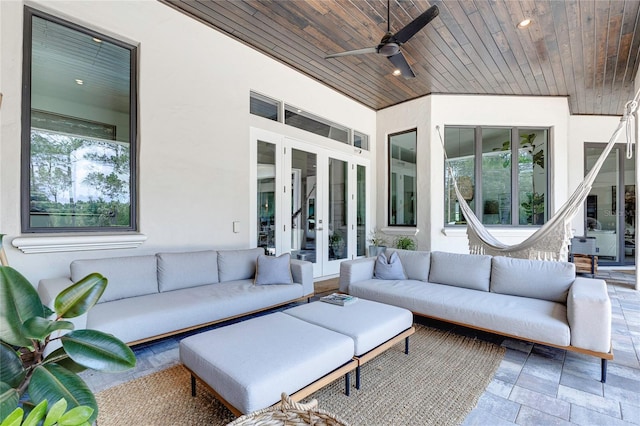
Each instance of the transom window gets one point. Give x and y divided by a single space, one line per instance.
78 128
499 189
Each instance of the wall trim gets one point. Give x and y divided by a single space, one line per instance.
49 244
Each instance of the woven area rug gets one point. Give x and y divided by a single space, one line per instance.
438 383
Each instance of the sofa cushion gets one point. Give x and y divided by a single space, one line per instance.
461 270
532 278
237 264
415 263
126 276
389 268
189 269
273 270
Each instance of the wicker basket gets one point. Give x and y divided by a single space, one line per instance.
290 413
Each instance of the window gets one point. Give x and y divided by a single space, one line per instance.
264 106
498 189
78 128
360 140
303 120
402 178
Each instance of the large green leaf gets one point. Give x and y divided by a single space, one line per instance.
52 382
39 328
97 350
77 299
19 301
60 357
12 372
9 398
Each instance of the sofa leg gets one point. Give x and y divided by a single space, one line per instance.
358 377
603 371
193 385
406 345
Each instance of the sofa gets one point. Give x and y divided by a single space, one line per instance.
537 301
152 296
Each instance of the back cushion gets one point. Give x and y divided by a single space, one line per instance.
237 264
190 269
126 276
461 270
416 263
532 278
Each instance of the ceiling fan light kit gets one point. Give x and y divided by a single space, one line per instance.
390 43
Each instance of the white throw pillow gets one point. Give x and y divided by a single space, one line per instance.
273 270
389 269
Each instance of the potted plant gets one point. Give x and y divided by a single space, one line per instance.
405 243
377 243
336 241
30 374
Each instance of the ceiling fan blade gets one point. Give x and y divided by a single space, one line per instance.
401 63
417 24
353 52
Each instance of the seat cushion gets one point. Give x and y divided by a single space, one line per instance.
166 312
460 270
126 276
530 319
189 269
237 264
532 278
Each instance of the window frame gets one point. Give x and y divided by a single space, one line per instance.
478 184
25 162
389 179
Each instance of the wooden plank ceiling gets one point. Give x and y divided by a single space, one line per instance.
587 50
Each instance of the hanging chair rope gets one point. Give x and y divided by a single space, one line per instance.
551 241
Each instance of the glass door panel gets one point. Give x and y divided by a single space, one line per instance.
338 210
303 205
629 206
266 203
361 211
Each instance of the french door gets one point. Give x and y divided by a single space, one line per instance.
310 201
611 206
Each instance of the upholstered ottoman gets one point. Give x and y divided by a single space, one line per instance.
373 326
249 364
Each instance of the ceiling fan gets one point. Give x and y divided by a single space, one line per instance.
390 44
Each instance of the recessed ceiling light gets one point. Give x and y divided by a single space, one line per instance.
97 40
524 23
81 82
397 72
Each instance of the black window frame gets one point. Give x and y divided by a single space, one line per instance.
389 180
25 190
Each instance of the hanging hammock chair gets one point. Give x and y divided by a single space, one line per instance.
551 241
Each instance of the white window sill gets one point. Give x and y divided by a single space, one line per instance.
51 244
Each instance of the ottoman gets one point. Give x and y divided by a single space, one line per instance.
373 326
248 365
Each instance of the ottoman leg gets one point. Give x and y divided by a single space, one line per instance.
406 345
193 385
347 383
358 376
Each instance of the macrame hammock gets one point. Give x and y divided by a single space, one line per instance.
551 241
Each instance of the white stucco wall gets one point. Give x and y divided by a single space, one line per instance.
194 123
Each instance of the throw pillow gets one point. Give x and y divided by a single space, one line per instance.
273 270
389 269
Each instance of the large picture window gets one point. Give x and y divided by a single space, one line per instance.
78 128
402 178
502 173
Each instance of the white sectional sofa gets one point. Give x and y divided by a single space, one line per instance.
152 296
537 301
